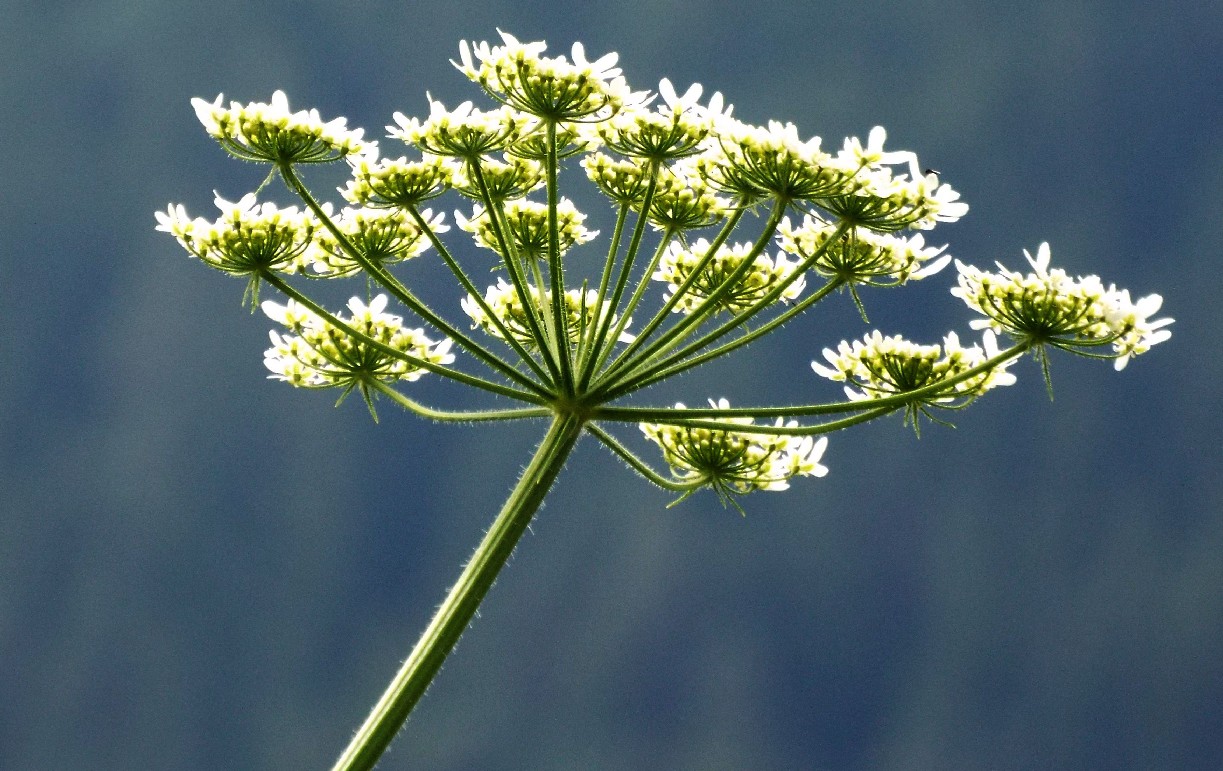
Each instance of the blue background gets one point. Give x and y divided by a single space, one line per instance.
204 569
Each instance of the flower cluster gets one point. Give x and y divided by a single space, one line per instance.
1048 307
527 223
502 312
684 201
880 366
500 181
397 182
677 130
318 354
553 88
623 181
271 133
737 462
704 275
861 256
382 236
248 238
463 132
757 162
669 161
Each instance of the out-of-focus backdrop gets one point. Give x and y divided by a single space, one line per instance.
204 569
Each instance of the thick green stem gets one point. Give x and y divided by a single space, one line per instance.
460 605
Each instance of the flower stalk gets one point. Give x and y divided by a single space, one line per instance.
463 600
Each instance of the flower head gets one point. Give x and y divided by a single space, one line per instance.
737 462
398 182
501 181
553 88
759 162
527 223
319 355
675 130
383 236
623 181
1048 307
878 367
463 132
248 239
886 202
861 256
684 201
502 311
271 133
571 139
704 275
881 366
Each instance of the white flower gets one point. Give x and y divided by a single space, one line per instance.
554 88
502 311
1048 307
320 355
705 276
737 462
272 133
880 366
463 132
248 238
862 256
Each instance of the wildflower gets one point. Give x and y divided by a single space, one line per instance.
1048 307
319 355
882 201
755 162
553 88
527 222
248 239
502 181
397 182
571 139
682 264
880 366
623 181
734 462
270 133
463 132
383 236
506 306
861 256
677 130
684 201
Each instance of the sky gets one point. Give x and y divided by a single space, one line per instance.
201 568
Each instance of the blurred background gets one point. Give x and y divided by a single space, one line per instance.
204 569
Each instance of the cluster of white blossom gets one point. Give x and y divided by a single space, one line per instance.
861 256
247 238
1048 307
272 133
382 236
317 354
505 311
463 132
527 223
703 276
397 182
880 366
737 462
682 165
519 75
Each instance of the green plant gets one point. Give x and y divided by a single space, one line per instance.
565 350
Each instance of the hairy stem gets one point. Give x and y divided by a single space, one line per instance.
461 604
